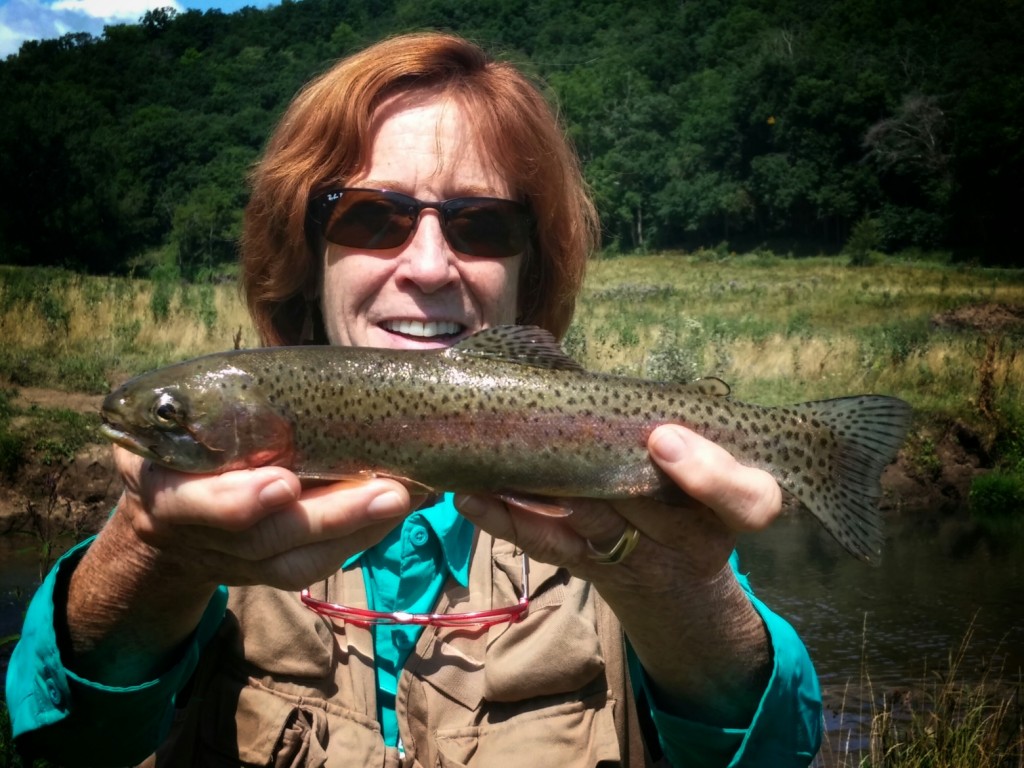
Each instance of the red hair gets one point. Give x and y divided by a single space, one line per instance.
324 137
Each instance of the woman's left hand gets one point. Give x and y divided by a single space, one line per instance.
701 642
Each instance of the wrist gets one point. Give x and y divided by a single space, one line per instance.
129 607
703 646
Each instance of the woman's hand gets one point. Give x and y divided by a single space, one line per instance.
255 526
142 587
696 633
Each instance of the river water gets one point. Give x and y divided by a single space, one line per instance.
944 585
870 630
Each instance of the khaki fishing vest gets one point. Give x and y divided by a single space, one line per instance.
294 689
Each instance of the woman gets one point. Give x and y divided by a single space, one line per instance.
627 635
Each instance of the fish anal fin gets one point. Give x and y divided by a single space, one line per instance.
538 505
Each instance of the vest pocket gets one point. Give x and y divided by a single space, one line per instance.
560 626
575 734
250 724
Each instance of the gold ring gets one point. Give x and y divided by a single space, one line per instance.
627 543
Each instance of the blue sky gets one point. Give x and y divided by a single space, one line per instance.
22 20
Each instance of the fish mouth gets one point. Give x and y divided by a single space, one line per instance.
127 440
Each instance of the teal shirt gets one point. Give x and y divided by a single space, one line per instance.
406 572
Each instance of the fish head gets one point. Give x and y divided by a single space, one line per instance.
196 418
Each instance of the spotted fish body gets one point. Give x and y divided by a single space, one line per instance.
504 411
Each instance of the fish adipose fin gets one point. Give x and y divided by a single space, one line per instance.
839 478
523 344
710 386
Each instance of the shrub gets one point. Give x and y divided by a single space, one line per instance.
997 494
865 239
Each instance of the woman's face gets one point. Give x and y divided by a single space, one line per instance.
421 294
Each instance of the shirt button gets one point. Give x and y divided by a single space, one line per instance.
419 537
54 692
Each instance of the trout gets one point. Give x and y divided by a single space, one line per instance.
504 411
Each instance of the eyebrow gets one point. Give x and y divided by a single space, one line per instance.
470 190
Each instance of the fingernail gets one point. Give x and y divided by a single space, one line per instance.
668 444
468 505
277 494
387 504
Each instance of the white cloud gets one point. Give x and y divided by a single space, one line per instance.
22 20
121 10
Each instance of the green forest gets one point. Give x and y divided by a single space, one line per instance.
800 126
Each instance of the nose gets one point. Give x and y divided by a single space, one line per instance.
427 259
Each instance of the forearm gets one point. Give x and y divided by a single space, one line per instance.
129 608
703 646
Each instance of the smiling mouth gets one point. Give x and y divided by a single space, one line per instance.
418 329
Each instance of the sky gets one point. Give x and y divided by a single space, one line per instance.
22 20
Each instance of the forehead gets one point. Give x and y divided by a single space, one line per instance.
423 135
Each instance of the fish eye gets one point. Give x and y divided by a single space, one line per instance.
167 410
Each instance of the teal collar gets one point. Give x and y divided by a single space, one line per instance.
453 531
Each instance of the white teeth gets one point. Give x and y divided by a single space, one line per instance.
425 330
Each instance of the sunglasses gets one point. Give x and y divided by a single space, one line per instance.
379 219
363 617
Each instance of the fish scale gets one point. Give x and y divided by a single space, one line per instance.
505 411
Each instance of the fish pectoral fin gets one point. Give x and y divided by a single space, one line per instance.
539 505
358 478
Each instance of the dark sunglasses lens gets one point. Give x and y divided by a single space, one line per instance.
486 227
369 219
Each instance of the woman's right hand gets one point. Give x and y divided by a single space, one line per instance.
255 526
142 587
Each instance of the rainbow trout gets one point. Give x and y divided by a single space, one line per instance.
504 411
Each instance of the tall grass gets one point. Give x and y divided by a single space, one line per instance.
81 332
939 722
786 330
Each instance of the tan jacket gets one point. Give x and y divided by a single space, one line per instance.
293 689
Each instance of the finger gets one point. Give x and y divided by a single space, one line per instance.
297 568
597 522
744 498
544 538
232 501
360 514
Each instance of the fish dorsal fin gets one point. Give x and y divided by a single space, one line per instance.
711 386
523 344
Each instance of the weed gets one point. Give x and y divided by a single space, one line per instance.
165 278
82 373
62 433
6 405
949 723
923 456
678 354
864 241
12 452
996 495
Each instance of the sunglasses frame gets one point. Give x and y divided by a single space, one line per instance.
321 207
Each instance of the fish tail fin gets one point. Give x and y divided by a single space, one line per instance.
839 480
